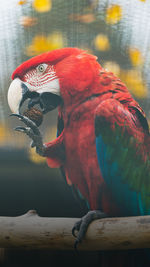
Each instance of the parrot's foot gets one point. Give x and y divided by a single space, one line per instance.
82 225
33 132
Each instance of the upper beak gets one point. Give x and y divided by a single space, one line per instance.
15 94
18 92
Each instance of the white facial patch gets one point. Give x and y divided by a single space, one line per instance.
42 82
52 87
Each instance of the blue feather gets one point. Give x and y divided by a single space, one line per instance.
127 199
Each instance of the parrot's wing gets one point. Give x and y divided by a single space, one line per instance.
123 151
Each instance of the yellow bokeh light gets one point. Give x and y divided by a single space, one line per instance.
3 133
27 21
113 14
101 42
22 2
41 43
134 81
135 56
34 157
42 5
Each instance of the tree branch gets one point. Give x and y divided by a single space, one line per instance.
34 232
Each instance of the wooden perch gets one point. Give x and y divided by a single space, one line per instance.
31 231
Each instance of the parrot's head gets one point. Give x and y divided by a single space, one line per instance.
60 77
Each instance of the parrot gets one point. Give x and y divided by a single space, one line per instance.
103 141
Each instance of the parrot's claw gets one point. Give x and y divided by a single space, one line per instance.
20 129
76 228
82 225
33 132
27 122
26 130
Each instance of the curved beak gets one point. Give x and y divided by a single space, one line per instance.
18 92
15 94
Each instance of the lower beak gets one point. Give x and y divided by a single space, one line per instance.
18 92
49 101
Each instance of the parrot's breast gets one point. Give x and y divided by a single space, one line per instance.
81 164
81 161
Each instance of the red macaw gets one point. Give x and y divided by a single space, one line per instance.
103 142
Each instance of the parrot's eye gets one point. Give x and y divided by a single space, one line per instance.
41 68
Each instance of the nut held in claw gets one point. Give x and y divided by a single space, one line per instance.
35 115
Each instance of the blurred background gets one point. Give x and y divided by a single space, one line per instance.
117 31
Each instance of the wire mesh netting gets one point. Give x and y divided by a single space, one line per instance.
116 31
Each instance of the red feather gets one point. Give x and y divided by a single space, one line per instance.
49 57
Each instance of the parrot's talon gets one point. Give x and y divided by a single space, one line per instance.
16 115
73 232
20 128
76 243
26 130
32 144
76 227
82 225
13 114
33 132
28 122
